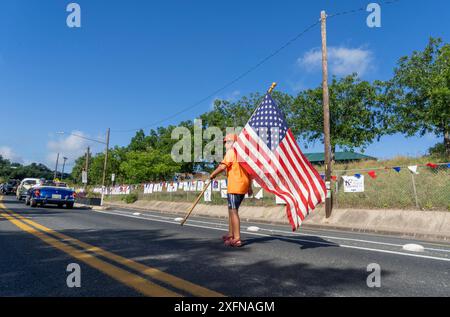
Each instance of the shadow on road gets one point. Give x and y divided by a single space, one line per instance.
306 242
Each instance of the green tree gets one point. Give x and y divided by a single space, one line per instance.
10 170
421 87
356 114
236 114
138 142
147 166
96 163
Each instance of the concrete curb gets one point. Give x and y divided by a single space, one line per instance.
400 223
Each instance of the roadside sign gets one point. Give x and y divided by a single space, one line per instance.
84 177
353 184
113 177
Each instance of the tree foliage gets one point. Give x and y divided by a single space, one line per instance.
421 91
154 165
10 170
356 114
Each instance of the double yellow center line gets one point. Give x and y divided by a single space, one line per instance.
90 255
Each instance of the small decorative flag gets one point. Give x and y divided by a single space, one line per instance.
260 194
334 178
358 176
413 169
372 174
397 169
223 193
432 165
255 184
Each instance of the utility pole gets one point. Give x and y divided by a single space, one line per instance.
104 166
64 164
326 115
86 168
56 167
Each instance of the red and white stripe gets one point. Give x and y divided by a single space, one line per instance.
284 172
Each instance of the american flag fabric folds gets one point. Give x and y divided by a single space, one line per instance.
268 151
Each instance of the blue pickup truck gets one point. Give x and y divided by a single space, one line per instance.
51 195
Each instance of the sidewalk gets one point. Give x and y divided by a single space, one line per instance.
427 225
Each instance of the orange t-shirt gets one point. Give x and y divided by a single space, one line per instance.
238 179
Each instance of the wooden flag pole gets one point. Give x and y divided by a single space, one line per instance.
196 202
272 87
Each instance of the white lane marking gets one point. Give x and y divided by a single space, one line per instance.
253 229
290 239
413 247
178 219
136 213
296 233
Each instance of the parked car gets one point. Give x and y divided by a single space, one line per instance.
10 187
51 195
24 186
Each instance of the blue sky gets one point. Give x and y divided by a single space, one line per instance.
136 62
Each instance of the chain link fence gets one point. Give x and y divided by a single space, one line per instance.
428 190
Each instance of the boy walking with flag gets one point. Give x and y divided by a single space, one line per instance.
239 184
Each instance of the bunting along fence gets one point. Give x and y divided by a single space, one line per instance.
423 187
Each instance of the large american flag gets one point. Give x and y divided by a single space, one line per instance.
267 150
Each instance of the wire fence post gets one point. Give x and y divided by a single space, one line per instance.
415 190
336 194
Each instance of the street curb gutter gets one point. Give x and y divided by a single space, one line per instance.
401 234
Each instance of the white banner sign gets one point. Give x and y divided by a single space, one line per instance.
207 194
353 184
84 177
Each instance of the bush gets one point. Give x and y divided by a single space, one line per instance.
131 198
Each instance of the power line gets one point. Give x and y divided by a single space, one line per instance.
229 83
251 69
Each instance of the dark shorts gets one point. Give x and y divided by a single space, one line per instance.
235 200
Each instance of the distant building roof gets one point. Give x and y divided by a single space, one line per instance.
339 157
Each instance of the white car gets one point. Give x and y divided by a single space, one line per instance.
24 186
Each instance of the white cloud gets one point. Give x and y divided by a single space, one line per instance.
69 146
342 61
7 153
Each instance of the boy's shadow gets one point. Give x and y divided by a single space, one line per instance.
305 242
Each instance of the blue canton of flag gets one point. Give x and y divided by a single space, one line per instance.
269 123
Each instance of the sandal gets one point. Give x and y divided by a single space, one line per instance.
226 237
234 243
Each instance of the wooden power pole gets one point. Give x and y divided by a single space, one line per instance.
326 115
86 165
105 165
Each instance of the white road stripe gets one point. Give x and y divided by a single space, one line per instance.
290 239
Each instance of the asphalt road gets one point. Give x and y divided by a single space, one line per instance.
131 253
